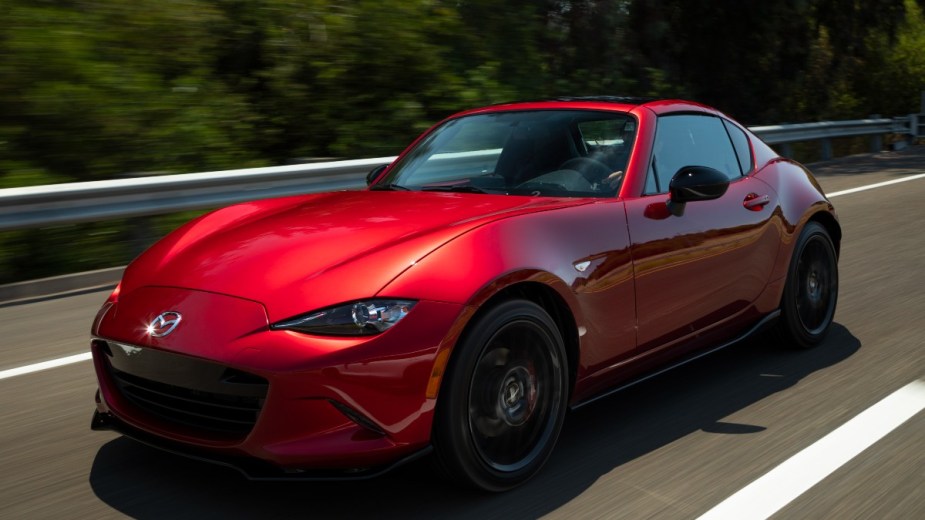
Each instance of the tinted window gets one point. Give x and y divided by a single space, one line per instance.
606 134
740 142
690 140
556 153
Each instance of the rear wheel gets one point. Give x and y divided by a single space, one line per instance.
811 290
503 401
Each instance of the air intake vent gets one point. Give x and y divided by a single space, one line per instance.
224 413
199 395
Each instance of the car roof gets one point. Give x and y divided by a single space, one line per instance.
625 100
607 103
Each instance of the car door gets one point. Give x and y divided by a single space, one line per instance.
702 269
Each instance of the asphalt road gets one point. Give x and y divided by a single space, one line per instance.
673 447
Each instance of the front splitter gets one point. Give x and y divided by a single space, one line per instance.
252 469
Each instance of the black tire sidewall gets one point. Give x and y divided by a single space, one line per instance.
791 327
453 443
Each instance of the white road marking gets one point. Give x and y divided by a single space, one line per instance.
877 185
777 488
44 365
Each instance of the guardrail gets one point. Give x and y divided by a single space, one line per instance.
68 203
825 131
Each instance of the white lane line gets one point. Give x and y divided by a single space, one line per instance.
45 365
877 185
777 488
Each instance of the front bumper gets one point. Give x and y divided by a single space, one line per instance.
330 407
251 468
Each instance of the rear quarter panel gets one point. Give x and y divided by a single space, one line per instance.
801 199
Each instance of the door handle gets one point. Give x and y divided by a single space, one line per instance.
756 202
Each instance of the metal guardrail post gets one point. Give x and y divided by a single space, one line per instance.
141 234
876 140
918 128
786 149
826 149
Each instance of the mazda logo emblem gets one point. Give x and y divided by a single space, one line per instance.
164 324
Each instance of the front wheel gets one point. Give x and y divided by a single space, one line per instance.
811 290
503 401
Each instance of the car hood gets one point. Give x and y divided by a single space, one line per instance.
297 254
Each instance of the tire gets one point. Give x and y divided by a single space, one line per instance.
811 290
503 400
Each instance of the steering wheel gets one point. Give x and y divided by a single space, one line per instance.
592 169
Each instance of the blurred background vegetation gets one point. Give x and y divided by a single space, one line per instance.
98 89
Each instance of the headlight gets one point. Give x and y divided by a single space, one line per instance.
352 319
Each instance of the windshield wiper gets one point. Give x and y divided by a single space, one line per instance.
389 187
463 188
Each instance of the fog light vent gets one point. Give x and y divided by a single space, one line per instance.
357 417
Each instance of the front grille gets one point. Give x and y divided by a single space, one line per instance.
201 396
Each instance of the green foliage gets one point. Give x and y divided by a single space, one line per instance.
83 247
894 86
97 89
107 88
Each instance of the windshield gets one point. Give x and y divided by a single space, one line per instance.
555 153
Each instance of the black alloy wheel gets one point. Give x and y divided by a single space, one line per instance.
811 291
503 399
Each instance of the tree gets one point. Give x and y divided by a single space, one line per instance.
102 89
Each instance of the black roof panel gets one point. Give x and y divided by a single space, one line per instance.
628 100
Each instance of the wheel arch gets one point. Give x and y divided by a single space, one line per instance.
456 450
557 308
536 287
831 225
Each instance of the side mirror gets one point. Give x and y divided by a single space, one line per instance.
693 183
374 173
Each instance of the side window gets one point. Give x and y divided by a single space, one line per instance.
740 142
651 178
690 140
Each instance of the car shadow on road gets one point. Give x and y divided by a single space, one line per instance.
145 483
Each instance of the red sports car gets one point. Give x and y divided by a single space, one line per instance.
514 262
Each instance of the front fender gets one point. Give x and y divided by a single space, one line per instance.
540 247
546 248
